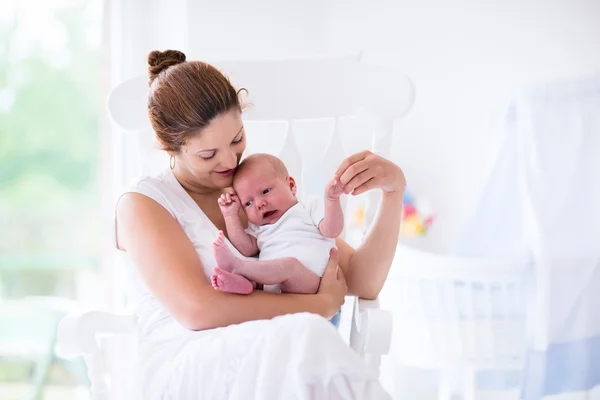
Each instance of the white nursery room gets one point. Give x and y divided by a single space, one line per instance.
442 158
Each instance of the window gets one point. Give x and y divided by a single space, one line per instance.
51 241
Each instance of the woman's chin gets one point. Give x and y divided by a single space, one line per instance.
223 181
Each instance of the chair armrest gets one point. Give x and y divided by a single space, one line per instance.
371 331
77 337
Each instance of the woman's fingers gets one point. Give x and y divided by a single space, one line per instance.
358 180
333 279
353 159
365 187
333 283
341 277
354 170
332 265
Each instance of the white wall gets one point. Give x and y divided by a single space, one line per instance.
466 58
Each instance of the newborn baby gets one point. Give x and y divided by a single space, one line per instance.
293 239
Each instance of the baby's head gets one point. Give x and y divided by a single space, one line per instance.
264 187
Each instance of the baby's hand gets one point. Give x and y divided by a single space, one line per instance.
229 203
334 189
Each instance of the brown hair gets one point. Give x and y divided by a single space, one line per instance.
185 96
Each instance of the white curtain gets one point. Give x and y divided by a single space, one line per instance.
542 206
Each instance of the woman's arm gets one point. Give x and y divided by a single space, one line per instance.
171 268
367 267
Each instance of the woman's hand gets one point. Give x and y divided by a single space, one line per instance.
333 285
365 171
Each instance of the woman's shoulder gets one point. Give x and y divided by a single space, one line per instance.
162 188
159 181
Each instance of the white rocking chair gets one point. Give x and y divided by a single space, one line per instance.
307 97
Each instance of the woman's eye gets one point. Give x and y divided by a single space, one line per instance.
248 203
207 158
240 140
266 191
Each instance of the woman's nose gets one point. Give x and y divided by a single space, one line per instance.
229 160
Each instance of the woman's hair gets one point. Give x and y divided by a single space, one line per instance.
185 96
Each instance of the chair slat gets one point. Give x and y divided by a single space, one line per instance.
291 156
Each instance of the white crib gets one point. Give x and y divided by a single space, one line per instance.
317 105
455 314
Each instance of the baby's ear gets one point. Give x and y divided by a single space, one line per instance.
292 184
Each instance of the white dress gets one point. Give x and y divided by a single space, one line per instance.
299 356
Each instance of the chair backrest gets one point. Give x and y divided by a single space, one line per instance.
311 112
307 111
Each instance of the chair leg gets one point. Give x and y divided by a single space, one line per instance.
41 374
445 390
469 383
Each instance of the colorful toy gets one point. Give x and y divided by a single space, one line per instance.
416 217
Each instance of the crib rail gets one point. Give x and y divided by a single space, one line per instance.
458 311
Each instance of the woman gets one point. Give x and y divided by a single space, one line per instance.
191 346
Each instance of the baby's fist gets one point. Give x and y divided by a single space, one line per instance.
229 204
334 189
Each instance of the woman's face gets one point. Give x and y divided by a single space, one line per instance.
209 159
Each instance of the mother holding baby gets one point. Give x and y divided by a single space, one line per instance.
200 343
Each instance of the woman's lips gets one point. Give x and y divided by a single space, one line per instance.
226 173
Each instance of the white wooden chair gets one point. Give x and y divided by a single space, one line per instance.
316 104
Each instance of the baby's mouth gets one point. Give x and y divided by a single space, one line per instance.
269 214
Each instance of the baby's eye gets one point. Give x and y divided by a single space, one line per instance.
266 191
249 203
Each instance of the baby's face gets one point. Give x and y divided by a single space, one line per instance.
265 196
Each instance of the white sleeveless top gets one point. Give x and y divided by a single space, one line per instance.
168 192
156 326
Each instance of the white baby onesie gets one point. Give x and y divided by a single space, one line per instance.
296 234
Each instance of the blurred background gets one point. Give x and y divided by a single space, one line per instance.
52 88
62 163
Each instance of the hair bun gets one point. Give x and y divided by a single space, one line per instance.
159 61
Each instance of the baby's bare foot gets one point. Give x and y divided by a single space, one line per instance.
231 283
226 260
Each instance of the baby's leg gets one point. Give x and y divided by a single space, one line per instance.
289 273
229 282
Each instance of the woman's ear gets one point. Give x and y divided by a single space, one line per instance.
292 184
